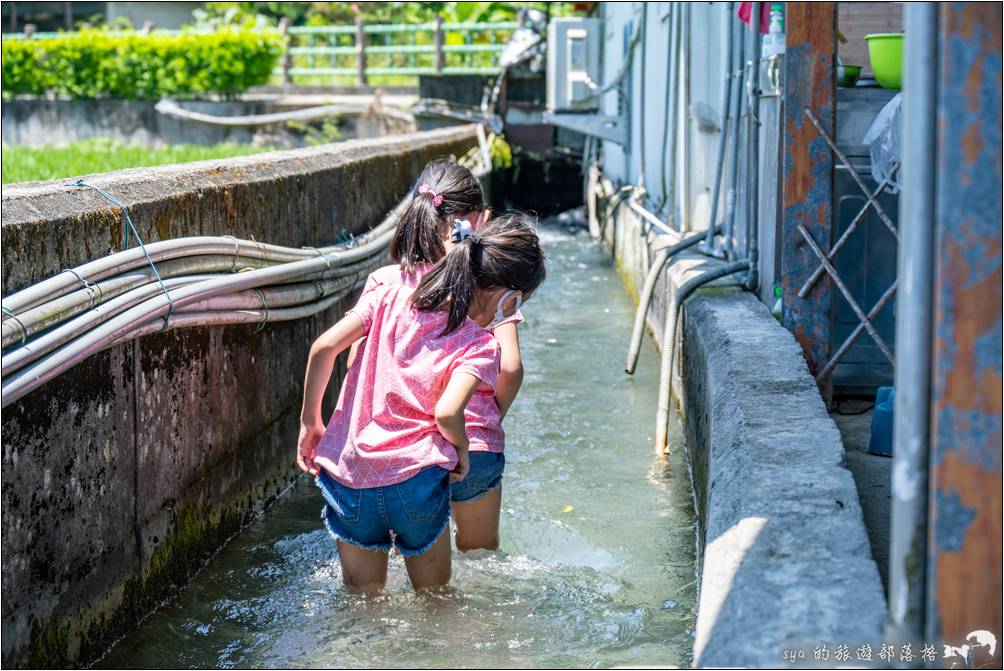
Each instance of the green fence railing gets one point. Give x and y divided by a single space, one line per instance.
362 51
358 52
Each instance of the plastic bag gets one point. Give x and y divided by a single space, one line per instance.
883 140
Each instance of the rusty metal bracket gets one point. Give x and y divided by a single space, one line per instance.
825 259
807 287
865 318
853 172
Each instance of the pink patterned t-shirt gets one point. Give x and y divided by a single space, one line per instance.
482 417
383 430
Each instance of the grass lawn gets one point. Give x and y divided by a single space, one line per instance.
26 164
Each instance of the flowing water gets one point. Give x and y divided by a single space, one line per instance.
597 560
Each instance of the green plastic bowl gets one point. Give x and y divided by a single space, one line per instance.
885 50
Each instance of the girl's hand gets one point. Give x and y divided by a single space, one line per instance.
310 435
463 466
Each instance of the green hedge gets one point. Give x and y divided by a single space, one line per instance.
98 64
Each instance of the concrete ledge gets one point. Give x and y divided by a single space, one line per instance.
121 476
786 561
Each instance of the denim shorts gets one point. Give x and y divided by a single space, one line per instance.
484 476
410 514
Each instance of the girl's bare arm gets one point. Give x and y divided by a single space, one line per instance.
320 363
450 417
511 369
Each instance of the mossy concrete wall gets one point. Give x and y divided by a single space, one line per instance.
124 474
785 560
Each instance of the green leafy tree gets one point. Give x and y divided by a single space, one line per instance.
341 13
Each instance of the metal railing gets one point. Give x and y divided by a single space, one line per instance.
363 50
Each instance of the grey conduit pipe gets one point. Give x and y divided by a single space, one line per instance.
641 112
47 315
674 131
189 319
277 296
99 338
669 343
709 241
662 257
63 305
682 214
753 212
739 72
909 514
671 52
130 259
45 343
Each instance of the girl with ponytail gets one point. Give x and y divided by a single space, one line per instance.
399 434
448 206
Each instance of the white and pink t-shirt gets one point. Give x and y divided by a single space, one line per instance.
383 430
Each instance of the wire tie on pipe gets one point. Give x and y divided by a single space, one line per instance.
261 248
264 305
92 288
20 325
129 226
327 261
237 249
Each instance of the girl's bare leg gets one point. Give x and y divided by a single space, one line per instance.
431 568
362 570
478 522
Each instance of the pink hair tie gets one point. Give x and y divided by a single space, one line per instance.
437 200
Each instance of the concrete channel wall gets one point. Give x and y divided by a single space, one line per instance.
124 474
786 563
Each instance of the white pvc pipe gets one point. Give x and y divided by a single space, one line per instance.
114 329
46 315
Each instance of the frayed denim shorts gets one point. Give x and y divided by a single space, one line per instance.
484 476
410 514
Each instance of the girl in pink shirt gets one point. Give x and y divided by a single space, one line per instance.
399 435
448 205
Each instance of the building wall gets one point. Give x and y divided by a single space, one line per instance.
698 100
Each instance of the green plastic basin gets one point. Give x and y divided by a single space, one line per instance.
885 50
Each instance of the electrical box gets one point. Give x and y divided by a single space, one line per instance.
573 64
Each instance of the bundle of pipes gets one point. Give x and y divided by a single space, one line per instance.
745 73
200 281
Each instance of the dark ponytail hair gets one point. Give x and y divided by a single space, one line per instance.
505 253
444 190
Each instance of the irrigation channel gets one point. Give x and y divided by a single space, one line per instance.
597 560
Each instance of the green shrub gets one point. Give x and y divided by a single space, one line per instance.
130 66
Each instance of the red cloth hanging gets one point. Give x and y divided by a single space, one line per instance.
746 8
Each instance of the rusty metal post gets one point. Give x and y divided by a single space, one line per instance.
287 58
908 508
810 48
964 553
13 16
440 39
360 51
